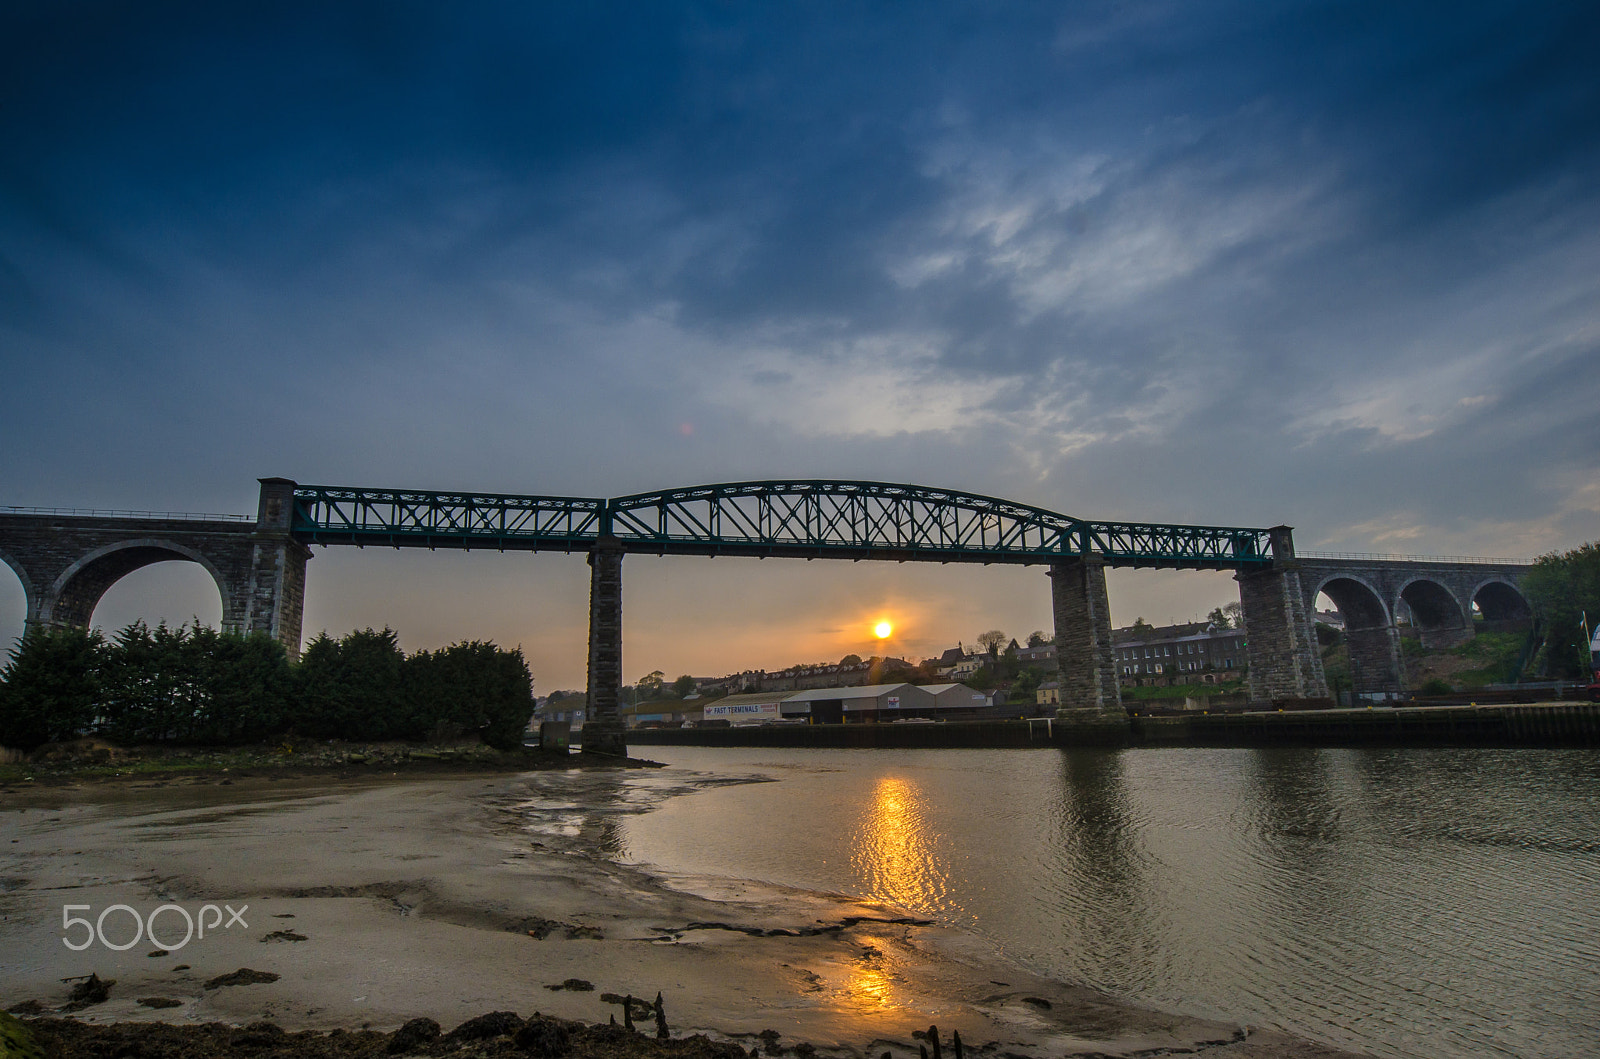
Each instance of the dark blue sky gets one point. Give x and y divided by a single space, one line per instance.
1334 265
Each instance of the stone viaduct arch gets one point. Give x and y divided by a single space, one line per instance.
1501 602
21 571
67 560
1439 594
72 599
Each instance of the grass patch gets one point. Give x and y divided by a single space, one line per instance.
1180 691
1493 647
1487 658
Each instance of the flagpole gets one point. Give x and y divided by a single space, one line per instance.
1588 640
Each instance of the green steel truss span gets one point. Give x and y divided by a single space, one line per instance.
804 519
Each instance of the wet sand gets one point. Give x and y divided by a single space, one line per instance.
377 902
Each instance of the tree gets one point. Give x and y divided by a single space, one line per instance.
1037 638
900 675
850 660
1563 587
683 685
473 687
1027 683
992 641
245 686
1227 616
1005 666
468 688
1142 629
350 689
51 686
141 700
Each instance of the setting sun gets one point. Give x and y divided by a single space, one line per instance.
882 630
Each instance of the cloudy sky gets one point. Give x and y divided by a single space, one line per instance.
1330 265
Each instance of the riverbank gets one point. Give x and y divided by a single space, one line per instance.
95 761
371 905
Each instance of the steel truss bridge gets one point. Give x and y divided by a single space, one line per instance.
66 560
806 519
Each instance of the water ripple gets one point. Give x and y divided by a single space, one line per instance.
1438 904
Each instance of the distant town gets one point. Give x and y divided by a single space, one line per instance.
996 676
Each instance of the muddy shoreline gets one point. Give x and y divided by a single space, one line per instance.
377 900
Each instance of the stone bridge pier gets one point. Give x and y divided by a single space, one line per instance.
1285 663
67 561
1091 693
603 731
1279 627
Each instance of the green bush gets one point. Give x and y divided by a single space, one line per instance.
350 688
52 686
200 686
193 686
472 687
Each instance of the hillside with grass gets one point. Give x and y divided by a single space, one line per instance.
1488 658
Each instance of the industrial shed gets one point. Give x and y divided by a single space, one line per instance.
863 705
956 697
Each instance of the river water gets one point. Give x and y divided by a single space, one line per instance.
1418 903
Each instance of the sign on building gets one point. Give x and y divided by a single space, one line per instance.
744 712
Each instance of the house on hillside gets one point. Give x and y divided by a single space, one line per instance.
1190 653
1042 655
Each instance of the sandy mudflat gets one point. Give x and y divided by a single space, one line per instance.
376 902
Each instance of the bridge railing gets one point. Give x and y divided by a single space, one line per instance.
1483 560
165 516
335 515
1144 544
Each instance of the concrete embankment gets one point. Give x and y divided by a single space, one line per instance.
1556 724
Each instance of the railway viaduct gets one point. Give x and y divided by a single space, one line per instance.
66 560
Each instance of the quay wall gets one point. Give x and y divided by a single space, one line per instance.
1553 724
950 734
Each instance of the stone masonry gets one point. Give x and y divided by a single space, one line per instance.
1280 636
1084 652
67 562
603 731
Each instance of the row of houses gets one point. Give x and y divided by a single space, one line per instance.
866 704
958 661
1143 654
1188 653
803 678
1191 653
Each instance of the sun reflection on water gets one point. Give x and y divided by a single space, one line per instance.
894 851
871 987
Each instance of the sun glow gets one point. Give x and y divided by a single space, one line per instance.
882 630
